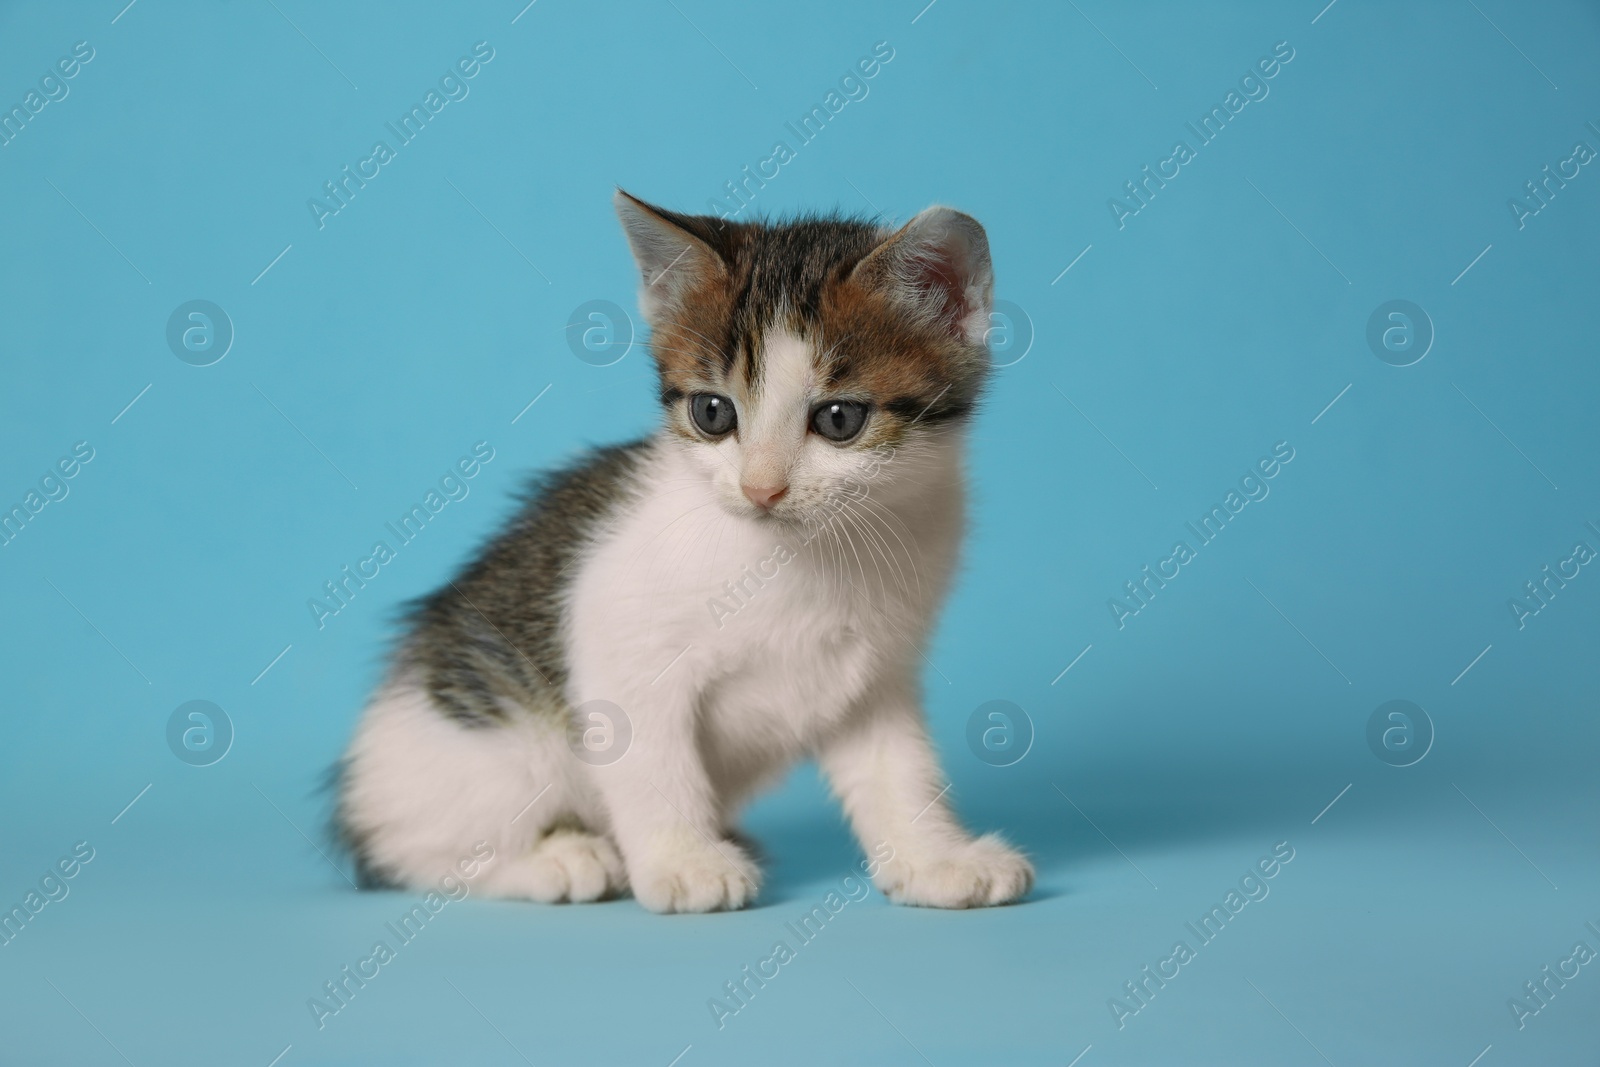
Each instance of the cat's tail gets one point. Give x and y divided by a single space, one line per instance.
343 836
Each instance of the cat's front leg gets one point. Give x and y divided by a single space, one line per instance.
665 814
885 772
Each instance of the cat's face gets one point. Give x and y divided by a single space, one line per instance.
810 362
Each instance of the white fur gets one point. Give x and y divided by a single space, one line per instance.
820 659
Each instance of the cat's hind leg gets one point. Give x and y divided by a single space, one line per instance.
424 795
567 864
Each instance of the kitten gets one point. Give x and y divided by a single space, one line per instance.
747 587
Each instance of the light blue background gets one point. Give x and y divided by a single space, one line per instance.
424 318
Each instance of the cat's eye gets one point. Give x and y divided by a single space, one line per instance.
713 414
839 420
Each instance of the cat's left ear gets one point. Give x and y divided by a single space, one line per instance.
937 268
672 259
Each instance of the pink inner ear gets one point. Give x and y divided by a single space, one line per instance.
942 285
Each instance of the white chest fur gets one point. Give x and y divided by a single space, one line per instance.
772 632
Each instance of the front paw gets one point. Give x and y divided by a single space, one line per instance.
973 874
689 874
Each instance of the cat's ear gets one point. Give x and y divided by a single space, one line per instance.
672 260
937 268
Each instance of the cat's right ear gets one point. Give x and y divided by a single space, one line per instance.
672 260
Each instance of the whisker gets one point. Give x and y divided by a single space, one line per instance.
875 546
856 524
910 556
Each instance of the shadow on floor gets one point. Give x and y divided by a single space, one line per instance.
1066 816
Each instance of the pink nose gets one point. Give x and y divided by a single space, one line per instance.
764 496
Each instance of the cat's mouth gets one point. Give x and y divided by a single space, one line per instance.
787 512
779 513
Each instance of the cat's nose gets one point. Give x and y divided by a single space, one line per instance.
764 496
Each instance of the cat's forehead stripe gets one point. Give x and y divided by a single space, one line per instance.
795 279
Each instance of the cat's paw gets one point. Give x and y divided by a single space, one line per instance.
690 874
566 865
974 874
